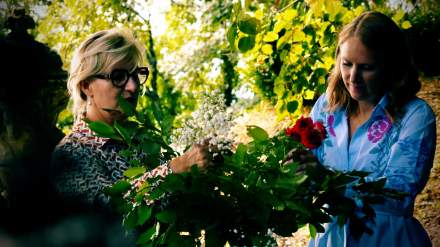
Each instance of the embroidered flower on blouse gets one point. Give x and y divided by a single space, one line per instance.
378 128
331 122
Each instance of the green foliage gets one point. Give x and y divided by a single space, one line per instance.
144 136
290 48
293 49
241 198
105 130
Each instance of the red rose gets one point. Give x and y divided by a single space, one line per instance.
311 138
321 129
308 133
289 131
303 124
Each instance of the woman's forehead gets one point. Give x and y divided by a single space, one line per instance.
354 49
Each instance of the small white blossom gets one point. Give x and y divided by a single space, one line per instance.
211 122
263 158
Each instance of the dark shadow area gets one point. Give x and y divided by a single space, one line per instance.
424 38
32 94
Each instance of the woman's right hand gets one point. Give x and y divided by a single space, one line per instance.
304 157
198 154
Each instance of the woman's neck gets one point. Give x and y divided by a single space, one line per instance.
364 109
359 116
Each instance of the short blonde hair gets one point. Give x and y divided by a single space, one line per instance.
98 54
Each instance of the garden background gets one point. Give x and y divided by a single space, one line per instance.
270 59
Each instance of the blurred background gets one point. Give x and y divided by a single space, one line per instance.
269 58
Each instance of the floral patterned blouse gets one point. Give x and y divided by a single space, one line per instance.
84 164
401 150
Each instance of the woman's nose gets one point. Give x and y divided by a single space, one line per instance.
131 85
353 74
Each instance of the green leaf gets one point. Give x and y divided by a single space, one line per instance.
239 154
156 194
278 205
150 147
270 37
312 231
144 213
150 234
103 129
134 171
231 35
292 106
251 178
406 25
246 43
123 132
126 107
300 179
173 182
130 220
294 205
249 26
214 238
166 216
290 183
257 133
120 187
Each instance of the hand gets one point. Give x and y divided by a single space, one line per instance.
305 158
198 155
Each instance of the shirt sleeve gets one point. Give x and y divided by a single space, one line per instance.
318 109
160 171
411 157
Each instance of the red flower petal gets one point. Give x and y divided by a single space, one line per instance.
303 124
321 129
311 138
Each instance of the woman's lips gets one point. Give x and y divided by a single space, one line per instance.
356 86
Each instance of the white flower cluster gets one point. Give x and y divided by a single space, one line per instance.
211 123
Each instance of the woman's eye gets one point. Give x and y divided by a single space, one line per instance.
368 67
346 64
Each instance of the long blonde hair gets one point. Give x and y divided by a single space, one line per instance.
99 53
380 34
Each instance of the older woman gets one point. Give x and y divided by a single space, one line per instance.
377 124
107 64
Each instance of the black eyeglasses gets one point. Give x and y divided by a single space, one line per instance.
119 77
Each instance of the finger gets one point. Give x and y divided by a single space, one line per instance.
205 142
289 161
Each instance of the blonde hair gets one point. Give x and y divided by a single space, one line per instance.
379 33
99 53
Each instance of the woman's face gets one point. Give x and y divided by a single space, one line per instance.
361 71
102 98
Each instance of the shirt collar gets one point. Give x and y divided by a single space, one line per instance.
82 128
380 108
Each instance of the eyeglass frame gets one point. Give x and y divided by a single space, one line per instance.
108 76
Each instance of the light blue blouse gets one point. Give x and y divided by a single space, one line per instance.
402 151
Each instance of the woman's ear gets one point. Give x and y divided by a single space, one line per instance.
86 90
